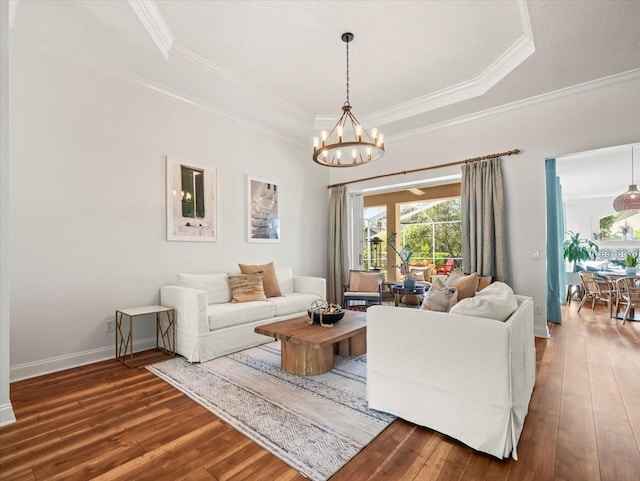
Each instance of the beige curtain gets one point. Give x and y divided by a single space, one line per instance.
484 247
337 254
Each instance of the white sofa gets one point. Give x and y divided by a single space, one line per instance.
470 378
210 326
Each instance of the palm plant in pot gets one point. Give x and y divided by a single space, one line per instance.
405 255
631 263
576 249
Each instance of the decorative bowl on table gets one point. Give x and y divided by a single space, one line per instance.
325 314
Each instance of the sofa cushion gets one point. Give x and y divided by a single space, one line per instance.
285 279
246 287
269 279
291 303
233 314
465 284
216 285
495 301
439 297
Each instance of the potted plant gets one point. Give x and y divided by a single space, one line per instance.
631 263
577 249
405 256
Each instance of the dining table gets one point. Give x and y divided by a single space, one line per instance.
614 274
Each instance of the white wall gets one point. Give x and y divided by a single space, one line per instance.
88 204
583 215
582 119
6 410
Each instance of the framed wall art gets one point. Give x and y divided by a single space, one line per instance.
263 206
192 202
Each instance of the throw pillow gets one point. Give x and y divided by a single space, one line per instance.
420 274
216 285
465 284
496 301
246 287
484 281
439 297
364 281
269 279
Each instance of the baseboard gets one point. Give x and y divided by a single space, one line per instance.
6 415
541 331
54 364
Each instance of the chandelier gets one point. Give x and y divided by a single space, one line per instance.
630 200
348 144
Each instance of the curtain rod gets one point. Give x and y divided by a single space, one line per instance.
404 172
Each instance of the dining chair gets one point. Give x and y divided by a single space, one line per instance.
628 295
597 289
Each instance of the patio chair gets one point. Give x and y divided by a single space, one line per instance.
446 269
365 287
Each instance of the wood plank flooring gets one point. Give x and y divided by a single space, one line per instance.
107 422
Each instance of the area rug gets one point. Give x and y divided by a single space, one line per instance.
316 424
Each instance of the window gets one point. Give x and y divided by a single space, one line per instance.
432 230
374 249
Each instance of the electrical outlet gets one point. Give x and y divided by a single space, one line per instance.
108 325
537 310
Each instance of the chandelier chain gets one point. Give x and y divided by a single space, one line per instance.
347 74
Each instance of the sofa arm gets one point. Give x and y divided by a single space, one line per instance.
191 308
310 285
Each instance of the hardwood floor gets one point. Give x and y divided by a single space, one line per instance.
107 422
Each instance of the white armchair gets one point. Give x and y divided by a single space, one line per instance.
468 377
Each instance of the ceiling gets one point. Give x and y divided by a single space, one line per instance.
280 65
598 173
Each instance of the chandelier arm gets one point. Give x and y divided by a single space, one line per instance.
365 133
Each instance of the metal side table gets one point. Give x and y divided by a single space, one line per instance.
165 331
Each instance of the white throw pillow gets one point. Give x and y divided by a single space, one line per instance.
285 279
216 285
495 301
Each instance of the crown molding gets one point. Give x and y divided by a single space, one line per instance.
148 13
178 51
100 68
511 58
567 91
500 68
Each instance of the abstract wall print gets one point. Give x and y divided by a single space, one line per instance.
192 202
263 210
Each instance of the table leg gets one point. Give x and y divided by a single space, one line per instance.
353 346
302 360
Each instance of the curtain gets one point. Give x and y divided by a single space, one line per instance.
356 230
555 236
337 251
484 246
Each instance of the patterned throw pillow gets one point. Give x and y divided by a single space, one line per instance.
246 287
439 297
269 278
